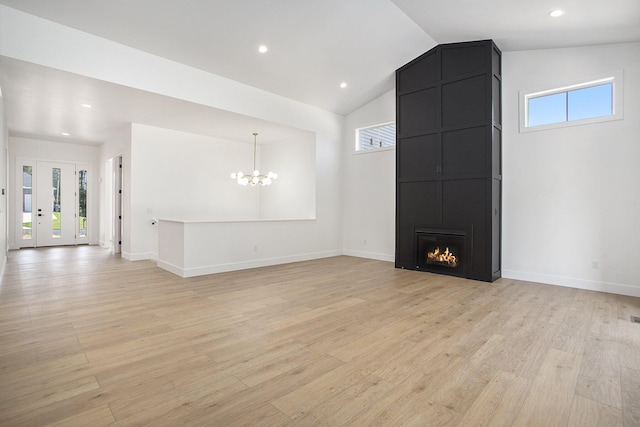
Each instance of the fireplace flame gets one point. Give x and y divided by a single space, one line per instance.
446 258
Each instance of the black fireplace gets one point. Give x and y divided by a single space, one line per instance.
448 161
441 251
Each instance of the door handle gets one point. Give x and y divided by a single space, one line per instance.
39 214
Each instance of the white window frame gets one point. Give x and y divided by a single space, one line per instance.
357 149
615 78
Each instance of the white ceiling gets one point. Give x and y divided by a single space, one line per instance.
526 24
42 101
313 47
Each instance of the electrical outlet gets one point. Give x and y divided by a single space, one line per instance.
364 242
595 265
255 248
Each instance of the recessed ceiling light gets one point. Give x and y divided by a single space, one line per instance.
65 133
343 85
86 105
556 13
263 49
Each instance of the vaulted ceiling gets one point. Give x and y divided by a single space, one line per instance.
313 47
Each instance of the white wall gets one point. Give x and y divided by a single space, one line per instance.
293 194
178 175
77 52
369 188
571 196
183 176
4 222
57 152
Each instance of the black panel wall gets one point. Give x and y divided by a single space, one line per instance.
449 134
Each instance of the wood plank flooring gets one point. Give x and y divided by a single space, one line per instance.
89 339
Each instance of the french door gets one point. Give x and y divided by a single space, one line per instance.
53 203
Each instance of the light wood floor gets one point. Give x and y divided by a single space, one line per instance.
89 339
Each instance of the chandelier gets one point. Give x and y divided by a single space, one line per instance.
255 177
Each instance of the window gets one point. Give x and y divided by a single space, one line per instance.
588 102
576 104
376 137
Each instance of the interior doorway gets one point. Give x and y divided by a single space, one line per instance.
117 205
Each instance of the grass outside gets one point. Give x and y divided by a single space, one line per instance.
82 223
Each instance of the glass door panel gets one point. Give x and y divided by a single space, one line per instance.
83 176
27 205
56 197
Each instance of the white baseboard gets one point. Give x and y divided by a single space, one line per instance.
139 257
370 255
171 268
222 268
570 282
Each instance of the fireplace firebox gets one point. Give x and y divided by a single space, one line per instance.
441 251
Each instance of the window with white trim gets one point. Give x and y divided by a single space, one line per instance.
592 101
376 137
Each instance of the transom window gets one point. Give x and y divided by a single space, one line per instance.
376 137
577 104
588 102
